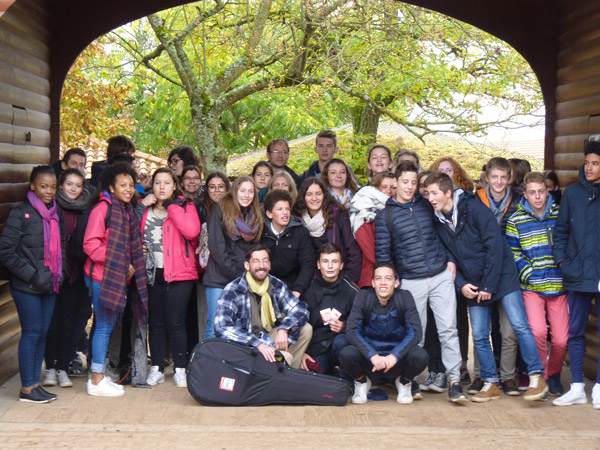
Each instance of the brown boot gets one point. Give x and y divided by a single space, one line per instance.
490 391
537 388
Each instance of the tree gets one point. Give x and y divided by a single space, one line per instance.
94 103
210 70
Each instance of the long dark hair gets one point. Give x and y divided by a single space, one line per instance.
206 201
328 201
175 178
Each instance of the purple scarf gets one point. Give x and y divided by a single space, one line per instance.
243 228
124 248
52 244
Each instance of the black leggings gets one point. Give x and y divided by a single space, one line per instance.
71 313
167 306
355 364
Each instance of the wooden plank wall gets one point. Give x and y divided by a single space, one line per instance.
24 131
578 109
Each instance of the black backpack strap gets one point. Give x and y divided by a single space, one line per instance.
370 306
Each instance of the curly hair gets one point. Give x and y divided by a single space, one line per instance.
231 207
350 181
328 201
461 177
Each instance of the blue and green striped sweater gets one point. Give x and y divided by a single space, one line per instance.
530 238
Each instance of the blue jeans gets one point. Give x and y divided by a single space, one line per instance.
35 314
480 323
212 298
580 305
102 331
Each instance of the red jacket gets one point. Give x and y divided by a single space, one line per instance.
181 233
365 236
95 241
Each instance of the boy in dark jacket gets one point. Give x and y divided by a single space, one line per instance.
292 254
486 272
503 202
405 235
576 244
329 299
384 331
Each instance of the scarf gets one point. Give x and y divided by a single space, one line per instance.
124 247
365 205
52 244
243 227
316 224
267 313
344 199
498 210
81 203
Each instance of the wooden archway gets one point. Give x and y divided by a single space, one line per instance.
40 39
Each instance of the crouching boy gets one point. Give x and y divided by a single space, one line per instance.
384 331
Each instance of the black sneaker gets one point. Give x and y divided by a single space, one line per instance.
415 391
465 377
475 387
49 395
34 397
509 387
554 385
456 394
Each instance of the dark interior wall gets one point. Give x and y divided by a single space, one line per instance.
24 133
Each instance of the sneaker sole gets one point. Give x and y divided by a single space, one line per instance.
116 394
437 389
49 383
578 402
154 384
485 400
66 385
404 402
26 400
539 396
512 393
473 391
460 400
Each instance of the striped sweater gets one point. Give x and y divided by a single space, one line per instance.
530 239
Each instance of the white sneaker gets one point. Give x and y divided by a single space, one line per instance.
50 378
596 396
404 392
103 389
113 384
574 396
63 379
361 392
155 376
180 378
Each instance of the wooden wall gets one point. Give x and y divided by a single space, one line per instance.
24 131
578 109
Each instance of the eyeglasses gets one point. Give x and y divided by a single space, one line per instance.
194 179
279 152
174 161
220 187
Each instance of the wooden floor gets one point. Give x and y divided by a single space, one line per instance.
167 417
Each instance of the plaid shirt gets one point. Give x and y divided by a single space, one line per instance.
233 319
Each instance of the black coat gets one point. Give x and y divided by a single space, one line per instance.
482 255
340 234
22 250
577 236
321 295
293 259
413 245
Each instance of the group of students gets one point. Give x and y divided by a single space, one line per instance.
374 283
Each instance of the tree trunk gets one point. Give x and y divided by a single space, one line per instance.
206 129
365 121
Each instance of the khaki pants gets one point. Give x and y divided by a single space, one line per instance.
293 356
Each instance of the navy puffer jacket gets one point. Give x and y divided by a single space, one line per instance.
577 236
413 245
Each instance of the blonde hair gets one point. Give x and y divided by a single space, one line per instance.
291 184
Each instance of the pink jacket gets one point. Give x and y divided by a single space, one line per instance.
95 242
181 232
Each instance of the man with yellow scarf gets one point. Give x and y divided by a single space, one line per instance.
259 310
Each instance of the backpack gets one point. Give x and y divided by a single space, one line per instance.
371 305
76 241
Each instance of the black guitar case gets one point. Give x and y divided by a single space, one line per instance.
225 373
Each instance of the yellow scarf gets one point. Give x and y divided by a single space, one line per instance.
267 313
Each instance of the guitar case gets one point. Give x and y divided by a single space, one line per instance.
225 373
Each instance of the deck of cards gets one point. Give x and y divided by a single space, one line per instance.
330 313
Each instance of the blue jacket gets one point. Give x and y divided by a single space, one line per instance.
413 245
392 333
483 257
577 236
